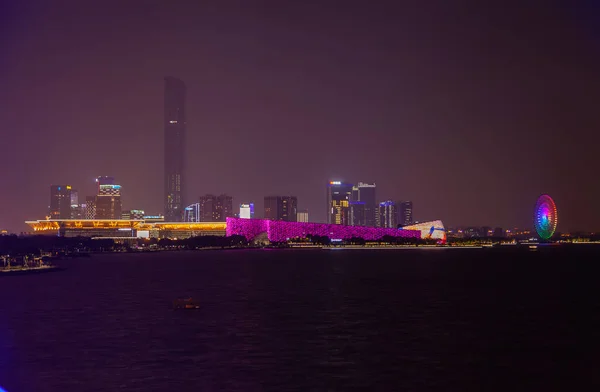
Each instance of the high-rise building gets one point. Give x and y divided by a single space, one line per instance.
247 210
338 202
387 215
223 208
60 202
357 213
90 207
215 208
77 210
108 200
174 128
405 213
192 213
302 216
206 203
366 193
282 208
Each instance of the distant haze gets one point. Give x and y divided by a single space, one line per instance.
470 110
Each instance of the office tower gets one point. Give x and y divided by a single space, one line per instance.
215 208
247 210
223 208
90 207
192 213
60 202
302 216
405 213
174 128
338 202
206 203
366 193
357 213
77 211
108 200
387 215
283 208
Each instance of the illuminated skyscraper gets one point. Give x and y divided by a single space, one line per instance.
60 202
387 215
108 200
405 213
365 193
281 208
174 126
338 202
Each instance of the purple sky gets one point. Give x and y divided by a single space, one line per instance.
468 109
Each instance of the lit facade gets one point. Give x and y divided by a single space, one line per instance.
125 228
133 214
387 214
302 216
90 207
60 202
174 144
405 213
430 230
108 200
284 208
280 231
192 213
338 202
247 210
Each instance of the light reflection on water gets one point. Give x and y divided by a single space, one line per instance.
300 320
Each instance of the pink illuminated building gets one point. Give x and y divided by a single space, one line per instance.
280 231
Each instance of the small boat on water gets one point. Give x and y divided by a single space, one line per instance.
186 303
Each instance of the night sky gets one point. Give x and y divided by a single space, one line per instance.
469 108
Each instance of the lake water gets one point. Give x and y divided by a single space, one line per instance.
307 320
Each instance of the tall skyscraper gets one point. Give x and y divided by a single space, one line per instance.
108 200
366 193
387 215
405 213
338 202
283 208
174 125
60 202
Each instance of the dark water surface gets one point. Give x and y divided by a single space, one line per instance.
307 320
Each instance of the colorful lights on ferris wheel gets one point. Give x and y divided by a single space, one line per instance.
546 217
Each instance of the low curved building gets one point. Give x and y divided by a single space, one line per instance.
280 231
434 230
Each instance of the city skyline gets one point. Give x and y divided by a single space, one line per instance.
472 137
